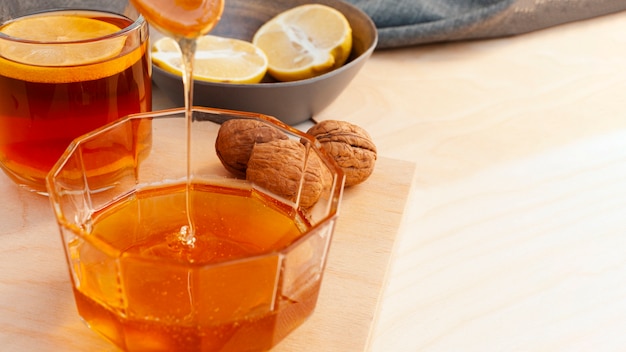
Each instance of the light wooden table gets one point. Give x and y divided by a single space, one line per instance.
514 235
514 238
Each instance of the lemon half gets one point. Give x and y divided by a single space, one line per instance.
217 59
305 41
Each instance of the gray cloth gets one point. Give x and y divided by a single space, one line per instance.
413 22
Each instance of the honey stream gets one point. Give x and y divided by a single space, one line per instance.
188 49
185 22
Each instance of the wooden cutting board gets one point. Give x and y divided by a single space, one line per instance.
37 311
358 261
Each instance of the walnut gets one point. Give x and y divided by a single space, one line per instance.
236 138
351 147
277 166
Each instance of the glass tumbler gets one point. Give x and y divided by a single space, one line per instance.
66 67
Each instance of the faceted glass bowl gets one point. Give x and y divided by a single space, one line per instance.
151 299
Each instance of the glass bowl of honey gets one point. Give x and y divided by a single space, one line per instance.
169 250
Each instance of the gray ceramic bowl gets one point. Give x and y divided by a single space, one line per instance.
291 102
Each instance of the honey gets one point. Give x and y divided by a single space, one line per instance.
184 18
232 289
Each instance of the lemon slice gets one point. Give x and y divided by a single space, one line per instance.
305 41
58 35
217 59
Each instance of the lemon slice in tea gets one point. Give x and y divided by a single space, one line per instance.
58 35
305 41
217 59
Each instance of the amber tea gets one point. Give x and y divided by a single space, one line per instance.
47 99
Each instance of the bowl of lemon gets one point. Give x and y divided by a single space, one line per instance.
289 59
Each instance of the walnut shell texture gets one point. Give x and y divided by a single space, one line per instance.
237 137
277 166
351 147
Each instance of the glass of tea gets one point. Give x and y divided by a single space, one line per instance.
66 68
252 270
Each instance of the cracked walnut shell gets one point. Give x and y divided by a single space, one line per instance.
351 147
237 137
277 166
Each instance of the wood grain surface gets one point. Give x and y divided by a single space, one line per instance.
513 238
